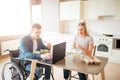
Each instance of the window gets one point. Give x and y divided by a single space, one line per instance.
14 17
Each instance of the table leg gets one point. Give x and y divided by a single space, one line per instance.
92 76
52 70
32 71
102 75
70 75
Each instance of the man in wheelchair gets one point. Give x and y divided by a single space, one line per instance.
30 46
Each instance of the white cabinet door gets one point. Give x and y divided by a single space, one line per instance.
70 10
107 7
90 9
93 9
115 55
118 13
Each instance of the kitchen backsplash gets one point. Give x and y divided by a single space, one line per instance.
111 27
95 27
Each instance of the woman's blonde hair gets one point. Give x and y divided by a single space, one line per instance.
85 27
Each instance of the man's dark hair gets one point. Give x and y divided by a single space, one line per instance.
36 26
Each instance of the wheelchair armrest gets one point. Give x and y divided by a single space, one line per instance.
17 58
14 53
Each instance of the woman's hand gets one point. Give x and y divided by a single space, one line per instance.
87 51
46 56
77 46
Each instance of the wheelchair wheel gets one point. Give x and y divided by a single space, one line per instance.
11 72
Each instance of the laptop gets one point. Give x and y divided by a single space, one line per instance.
58 53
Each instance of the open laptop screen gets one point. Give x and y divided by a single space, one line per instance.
59 51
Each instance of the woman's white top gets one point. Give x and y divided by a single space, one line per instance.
83 41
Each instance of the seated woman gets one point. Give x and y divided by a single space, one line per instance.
83 43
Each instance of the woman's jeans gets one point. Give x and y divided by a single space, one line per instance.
37 71
82 76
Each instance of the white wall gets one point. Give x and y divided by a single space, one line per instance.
50 15
10 44
69 26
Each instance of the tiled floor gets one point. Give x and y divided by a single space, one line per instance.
112 71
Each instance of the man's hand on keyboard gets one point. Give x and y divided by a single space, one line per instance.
46 56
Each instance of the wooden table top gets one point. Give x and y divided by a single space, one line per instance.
73 62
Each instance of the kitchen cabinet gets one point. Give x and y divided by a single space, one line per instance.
70 10
90 9
118 13
93 9
107 7
115 55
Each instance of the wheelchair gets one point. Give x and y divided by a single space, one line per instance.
15 69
